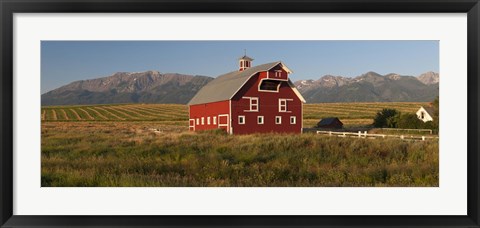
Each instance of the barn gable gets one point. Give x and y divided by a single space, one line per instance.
225 86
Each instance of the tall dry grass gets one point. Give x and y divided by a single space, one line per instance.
129 154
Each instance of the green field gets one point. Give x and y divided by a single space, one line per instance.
351 114
115 145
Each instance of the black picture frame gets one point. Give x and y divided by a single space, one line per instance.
9 7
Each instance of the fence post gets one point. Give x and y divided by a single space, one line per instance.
359 134
423 138
330 133
365 132
401 136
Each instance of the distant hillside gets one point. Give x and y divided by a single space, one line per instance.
122 87
154 87
371 87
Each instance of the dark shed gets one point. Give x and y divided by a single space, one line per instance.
331 122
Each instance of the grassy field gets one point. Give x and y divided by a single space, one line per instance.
351 114
113 145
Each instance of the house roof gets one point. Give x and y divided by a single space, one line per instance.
429 110
328 121
225 86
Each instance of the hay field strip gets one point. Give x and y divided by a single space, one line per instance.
121 112
349 113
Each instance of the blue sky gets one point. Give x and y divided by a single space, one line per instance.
63 62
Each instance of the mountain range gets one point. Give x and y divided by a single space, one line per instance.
123 87
155 87
370 87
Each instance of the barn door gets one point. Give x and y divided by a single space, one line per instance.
223 122
191 125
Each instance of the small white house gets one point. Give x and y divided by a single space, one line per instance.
425 114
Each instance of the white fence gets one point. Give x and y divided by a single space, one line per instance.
366 135
401 129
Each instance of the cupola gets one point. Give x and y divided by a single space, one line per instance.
244 62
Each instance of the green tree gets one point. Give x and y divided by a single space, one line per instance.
436 114
392 122
409 121
436 105
385 117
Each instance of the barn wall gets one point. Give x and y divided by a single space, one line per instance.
283 73
209 110
268 107
271 74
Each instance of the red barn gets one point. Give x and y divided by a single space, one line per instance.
257 99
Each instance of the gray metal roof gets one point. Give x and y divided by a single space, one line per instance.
246 58
225 86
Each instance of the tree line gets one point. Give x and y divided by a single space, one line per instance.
392 118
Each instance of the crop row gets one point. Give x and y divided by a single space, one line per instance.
135 112
175 112
355 110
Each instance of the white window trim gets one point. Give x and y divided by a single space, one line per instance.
208 120
268 91
214 120
280 106
251 105
240 122
278 118
203 120
286 105
278 73
190 125
294 118
198 121
223 125
262 118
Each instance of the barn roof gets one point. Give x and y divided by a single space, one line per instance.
246 58
328 121
225 86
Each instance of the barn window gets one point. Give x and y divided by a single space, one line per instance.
422 115
278 120
269 85
214 120
208 120
254 104
293 119
282 105
198 121
203 120
278 73
241 119
260 120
